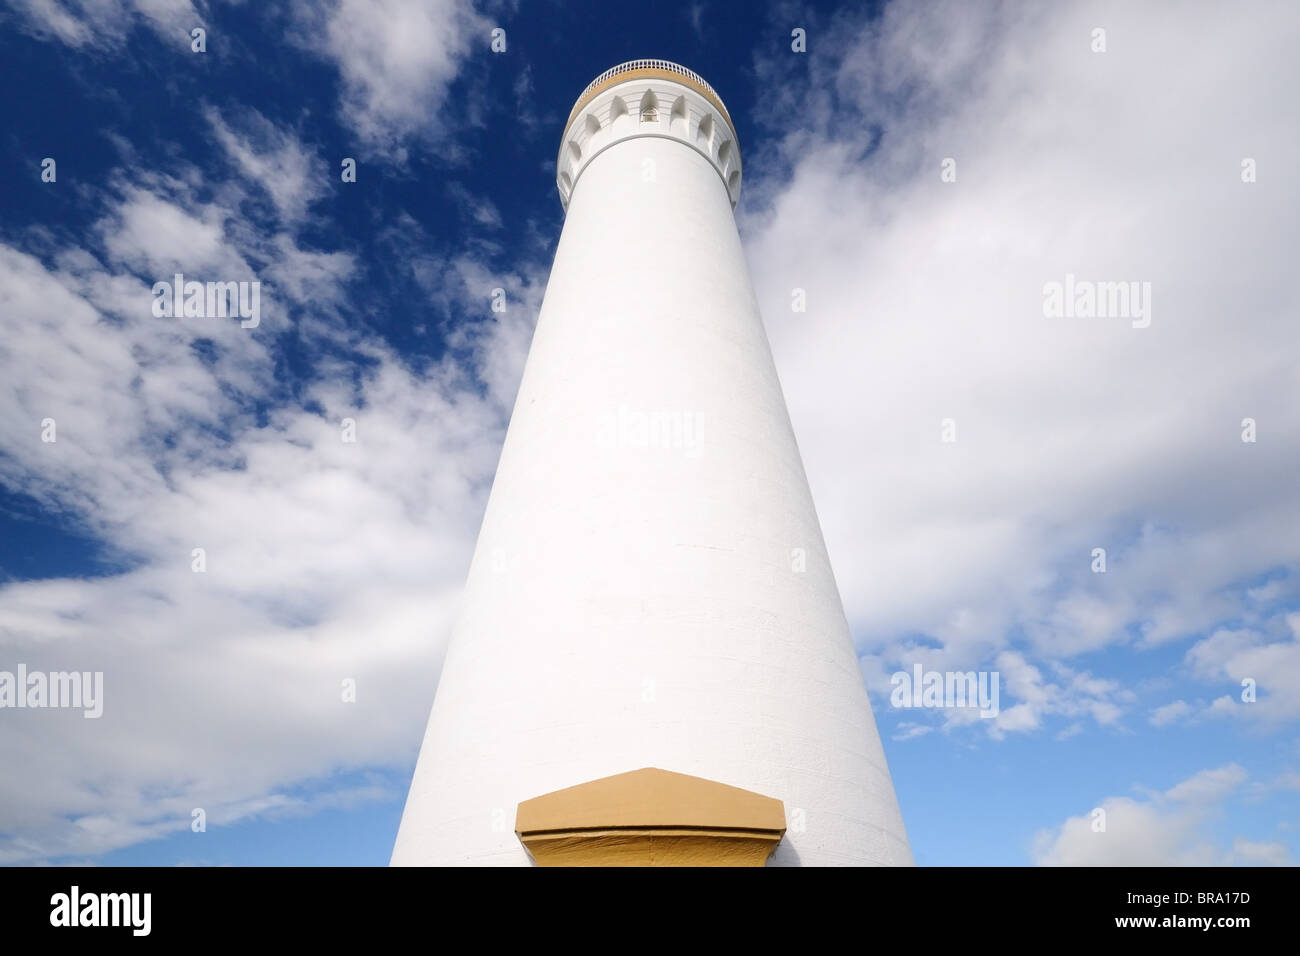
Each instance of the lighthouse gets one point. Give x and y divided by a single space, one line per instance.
651 664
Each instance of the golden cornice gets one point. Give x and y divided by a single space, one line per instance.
668 71
650 817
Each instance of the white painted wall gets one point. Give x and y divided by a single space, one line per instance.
617 114
631 601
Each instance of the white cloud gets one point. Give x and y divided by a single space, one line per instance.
908 729
292 176
106 23
396 59
1208 786
325 560
1074 695
1170 713
1026 699
695 17
1260 854
1169 829
151 234
1271 668
924 302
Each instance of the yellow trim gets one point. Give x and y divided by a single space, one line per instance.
651 817
647 73
621 848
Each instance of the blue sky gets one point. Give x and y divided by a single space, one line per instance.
1120 691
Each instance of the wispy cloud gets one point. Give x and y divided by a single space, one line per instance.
396 59
323 560
91 24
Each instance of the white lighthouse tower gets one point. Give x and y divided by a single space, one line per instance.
652 663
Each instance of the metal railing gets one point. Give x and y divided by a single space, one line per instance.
666 65
648 65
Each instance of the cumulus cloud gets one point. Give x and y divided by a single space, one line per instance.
1026 698
1168 829
323 560
925 303
1074 695
1262 667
